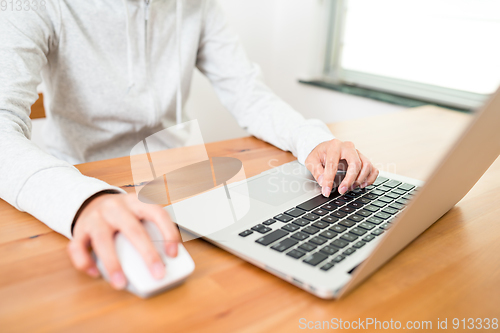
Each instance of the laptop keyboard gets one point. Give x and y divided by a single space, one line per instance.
324 231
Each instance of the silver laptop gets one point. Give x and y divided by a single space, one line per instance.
327 246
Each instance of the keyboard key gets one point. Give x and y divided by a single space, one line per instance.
261 228
272 237
338 259
392 195
329 207
384 189
328 234
377 232
315 258
370 196
367 226
339 243
329 219
300 236
318 240
284 245
348 237
363 213
349 251
283 218
347 223
338 228
371 208
358 231
314 202
402 201
295 212
310 230
374 220
307 247
392 219
377 192
368 238
290 227
363 201
383 216
397 206
269 222
346 198
311 217
296 254
408 197
326 266
385 199
245 233
352 194
337 202
398 192
406 187
355 218
379 204
347 209
320 212
329 250
391 211
301 222
338 214
355 205
392 183
370 187
359 244
380 180
385 226
321 224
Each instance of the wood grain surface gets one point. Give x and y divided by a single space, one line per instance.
37 109
451 271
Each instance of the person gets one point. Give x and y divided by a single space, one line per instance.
115 72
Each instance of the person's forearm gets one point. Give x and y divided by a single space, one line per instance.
240 88
49 189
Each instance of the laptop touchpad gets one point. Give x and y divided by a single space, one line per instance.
277 189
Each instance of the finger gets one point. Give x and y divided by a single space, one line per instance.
103 243
314 163
162 220
80 256
331 165
366 169
353 168
131 227
372 177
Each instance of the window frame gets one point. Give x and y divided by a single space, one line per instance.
335 74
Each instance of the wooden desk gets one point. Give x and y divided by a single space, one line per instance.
450 271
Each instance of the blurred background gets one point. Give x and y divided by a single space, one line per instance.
359 58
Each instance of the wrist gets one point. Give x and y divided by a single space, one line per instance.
87 202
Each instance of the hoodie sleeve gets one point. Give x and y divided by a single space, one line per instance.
49 189
240 88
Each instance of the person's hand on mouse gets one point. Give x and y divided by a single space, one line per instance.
102 217
328 156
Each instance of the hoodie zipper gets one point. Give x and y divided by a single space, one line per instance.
148 67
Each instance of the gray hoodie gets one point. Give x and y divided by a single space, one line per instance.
114 72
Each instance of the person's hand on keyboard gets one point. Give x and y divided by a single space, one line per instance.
330 156
102 217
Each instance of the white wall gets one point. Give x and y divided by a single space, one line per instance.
284 38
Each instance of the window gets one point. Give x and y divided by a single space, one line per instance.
443 51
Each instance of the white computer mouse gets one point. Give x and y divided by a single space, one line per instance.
140 281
